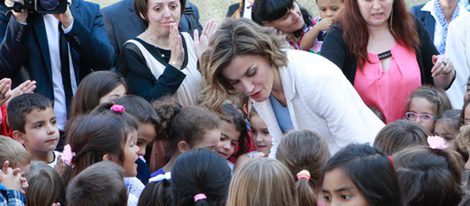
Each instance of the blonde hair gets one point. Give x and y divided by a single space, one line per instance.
45 186
262 182
304 150
463 138
14 152
235 38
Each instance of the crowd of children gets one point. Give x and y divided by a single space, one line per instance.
121 149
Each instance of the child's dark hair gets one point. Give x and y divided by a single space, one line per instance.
140 108
94 86
156 193
399 135
435 96
22 105
100 184
271 10
200 171
103 131
453 116
234 116
304 150
429 176
371 171
178 124
45 186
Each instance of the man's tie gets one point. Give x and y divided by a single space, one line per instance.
65 68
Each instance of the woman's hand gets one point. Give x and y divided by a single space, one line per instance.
176 47
443 71
201 42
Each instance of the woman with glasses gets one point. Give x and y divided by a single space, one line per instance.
425 105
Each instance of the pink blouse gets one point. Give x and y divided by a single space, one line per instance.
388 91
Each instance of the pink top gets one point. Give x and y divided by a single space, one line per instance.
388 91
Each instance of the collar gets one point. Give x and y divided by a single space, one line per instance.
429 6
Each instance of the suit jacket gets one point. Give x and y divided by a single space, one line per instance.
122 22
426 18
25 46
321 99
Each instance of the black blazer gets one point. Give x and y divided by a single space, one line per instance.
426 18
25 46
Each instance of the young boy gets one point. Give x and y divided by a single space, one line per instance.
33 121
12 155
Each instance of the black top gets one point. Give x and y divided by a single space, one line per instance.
139 78
335 49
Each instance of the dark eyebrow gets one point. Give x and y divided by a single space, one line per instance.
342 189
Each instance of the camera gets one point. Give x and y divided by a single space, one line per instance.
41 6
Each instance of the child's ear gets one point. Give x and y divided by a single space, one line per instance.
183 146
18 136
107 157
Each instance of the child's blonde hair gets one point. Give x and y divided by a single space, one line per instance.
14 152
262 182
45 186
304 150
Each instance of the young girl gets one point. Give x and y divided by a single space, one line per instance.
200 177
399 135
260 136
262 181
148 121
107 134
465 115
234 133
183 129
96 88
360 175
463 144
329 10
448 126
425 105
305 154
430 175
45 186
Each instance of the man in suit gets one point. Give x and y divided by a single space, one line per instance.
55 50
122 22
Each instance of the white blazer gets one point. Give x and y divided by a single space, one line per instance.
321 99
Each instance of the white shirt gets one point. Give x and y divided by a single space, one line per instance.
458 51
429 6
247 10
52 32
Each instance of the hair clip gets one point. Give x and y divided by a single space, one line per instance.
200 196
67 155
118 108
437 142
303 174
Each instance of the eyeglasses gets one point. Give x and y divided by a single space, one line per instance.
414 116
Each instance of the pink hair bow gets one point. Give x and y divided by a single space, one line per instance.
118 108
67 155
436 142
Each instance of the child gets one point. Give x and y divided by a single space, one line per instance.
465 115
463 144
305 154
184 129
360 175
430 175
146 132
99 184
261 138
329 10
448 126
45 186
108 133
234 133
200 177
156 193
96 88
425 105
13 152
11 184
399 135
33 121
262 181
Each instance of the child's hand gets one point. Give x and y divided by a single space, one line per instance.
324 24
60 165
11 178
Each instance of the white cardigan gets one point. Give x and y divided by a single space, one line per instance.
458 51
321 99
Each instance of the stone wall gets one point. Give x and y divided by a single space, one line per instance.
216 9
